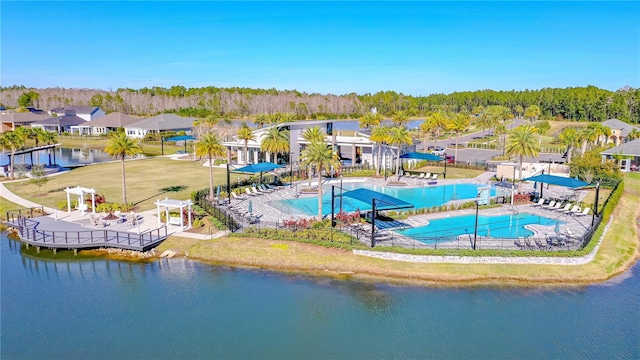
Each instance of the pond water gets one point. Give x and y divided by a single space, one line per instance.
63 157
105 309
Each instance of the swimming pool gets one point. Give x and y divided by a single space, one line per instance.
421 197
500 226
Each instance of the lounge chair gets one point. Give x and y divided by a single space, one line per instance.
584 212
539 203
427 176
249 192
520 243
265 189
574 210
421 176
566 208
556 206
569 233
434 177
271 187
254 191
550 204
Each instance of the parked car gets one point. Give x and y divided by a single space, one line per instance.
451 159
438 151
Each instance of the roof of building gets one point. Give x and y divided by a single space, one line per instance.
163 122
617 124
629 148
78 109
115 119
62 121
21 117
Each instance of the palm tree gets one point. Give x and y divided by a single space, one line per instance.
321 156
370 120
633 134
245 134
532 112
399 136
569 137
522 143
400 118
379 136
587 135
458 124
426 129
49 138
260 120
313 134
441 121
275 141
14 141
121 146
209 145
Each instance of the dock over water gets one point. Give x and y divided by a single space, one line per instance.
45 231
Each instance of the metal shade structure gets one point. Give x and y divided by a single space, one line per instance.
428 157
557 180
179 138
374 198
258 168
253 168
421 156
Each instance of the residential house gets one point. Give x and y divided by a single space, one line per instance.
105 124
619 131
627 155
59 124
11 120
88 113
159 124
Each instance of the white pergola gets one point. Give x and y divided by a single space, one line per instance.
170 204
80 191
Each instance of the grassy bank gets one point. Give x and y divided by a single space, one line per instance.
618 251
147 180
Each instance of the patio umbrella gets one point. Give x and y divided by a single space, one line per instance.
557 229
250 207
218 191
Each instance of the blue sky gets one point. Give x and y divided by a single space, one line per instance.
417 48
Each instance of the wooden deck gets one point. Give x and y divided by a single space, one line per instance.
46 232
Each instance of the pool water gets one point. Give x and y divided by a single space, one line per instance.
501 226
421 197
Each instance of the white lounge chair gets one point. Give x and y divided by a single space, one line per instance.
574 210
427 175
254 191
434 177
566 208
249 192
421 176
539 203
557 206
584 212
550 204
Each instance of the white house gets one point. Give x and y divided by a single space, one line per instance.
353 150
105 124
159 124
88 113
627 155
59 124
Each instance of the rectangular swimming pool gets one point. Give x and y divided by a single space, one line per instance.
509 226
420 197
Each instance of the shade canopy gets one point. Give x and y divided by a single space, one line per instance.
258 168
557 180
180 138
383 201
421 156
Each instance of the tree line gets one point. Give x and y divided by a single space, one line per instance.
574 103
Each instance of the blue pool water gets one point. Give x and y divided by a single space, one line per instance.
502 226
422 197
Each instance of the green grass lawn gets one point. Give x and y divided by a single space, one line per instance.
147 180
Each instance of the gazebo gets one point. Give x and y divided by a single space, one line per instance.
170 204
80 191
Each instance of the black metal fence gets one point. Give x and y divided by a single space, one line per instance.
86 239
